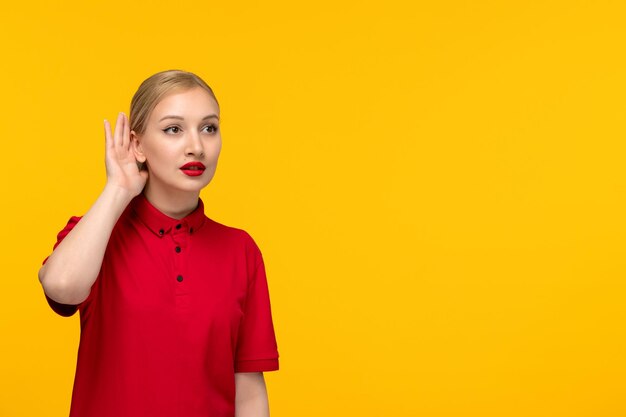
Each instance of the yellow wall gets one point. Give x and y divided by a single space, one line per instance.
437 188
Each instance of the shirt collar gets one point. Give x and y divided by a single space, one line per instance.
160 223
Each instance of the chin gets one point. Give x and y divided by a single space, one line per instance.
196 185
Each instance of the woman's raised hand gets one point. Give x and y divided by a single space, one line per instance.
74 266
121 165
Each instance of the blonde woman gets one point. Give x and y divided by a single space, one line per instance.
174 307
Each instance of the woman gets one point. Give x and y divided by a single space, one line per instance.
174 307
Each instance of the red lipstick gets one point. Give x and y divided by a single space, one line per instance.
193 169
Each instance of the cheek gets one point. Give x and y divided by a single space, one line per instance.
158 160
217 148
157 153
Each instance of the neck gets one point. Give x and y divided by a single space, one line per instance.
175 204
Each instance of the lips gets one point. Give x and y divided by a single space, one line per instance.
193 169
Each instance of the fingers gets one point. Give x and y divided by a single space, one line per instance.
119 129
126 133
122 133
108 140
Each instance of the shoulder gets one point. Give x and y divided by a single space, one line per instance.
233 235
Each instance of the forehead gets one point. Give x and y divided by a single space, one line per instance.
192 103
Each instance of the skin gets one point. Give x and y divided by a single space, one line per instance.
164 147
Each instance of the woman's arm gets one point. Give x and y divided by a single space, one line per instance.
251 395
72 268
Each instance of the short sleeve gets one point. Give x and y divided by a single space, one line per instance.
256 347
65 310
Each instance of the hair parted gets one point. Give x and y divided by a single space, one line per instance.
153 89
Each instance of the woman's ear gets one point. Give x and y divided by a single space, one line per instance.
135 146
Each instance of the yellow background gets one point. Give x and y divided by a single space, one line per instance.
437 188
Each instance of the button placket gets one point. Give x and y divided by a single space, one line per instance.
179 244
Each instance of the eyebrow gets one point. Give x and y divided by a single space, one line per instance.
182 118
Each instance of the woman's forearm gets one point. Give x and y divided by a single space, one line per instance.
251 395
72 268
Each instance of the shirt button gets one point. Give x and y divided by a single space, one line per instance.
179 278
177 249
161 232
178 226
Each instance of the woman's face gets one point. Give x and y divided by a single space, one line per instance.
181 143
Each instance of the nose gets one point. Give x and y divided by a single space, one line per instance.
194 146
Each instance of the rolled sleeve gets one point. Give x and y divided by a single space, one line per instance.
65 310
256 347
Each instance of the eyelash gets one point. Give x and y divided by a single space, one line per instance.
215 128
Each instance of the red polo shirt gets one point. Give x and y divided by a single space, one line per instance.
179 306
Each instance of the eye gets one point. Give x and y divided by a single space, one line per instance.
172 129
211 128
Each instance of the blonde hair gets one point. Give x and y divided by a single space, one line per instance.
155 88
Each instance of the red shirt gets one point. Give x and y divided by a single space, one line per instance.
179 306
